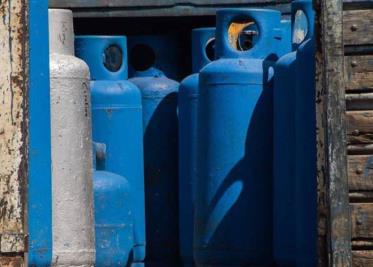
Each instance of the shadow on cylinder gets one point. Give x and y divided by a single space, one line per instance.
233 210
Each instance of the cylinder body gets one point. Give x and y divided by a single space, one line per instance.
159 102
306 169
233 202
295 188
284 96
117 122
233 218
73 222
187 111
113 219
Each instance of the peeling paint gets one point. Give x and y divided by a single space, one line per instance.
333 203
13 126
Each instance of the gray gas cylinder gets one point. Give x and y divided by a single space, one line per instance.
73 220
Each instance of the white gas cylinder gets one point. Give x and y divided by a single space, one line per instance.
73 220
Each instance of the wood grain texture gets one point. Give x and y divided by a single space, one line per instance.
359 72
362 221
15 261
360 127
362 258
359 101
358 27
333 199
13 128
361 196
360 149
360 172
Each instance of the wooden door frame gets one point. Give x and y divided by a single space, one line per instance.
334 221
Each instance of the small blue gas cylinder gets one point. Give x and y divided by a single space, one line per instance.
203 51
151 53
295 203
113 214
113 219
233 206
160 122
117 121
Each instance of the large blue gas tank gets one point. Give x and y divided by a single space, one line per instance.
160 122
117 121
295 203
203 51
149 53
233 207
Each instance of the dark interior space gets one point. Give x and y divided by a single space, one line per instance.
179 26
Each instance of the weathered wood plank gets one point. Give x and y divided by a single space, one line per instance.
359 72
360 127
360 172
359 101
366 244
361 196
360 149
362 220
357 4
16 261
358 27
358 50
362 258
13 127
334 226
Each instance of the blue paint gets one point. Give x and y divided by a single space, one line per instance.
187 104
295 203
284 95
286 37
303 22
233 217
160 122
117 122
166 55
201 39
39 183
95 51
113 219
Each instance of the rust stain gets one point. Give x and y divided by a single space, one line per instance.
13 125
16 261
235 28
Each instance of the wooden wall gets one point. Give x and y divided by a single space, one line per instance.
358 41
13 130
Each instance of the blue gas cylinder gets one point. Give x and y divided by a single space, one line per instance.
295 203
233 206
113 214
153 53
117 121
203 51
306 151
160 122
113 219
